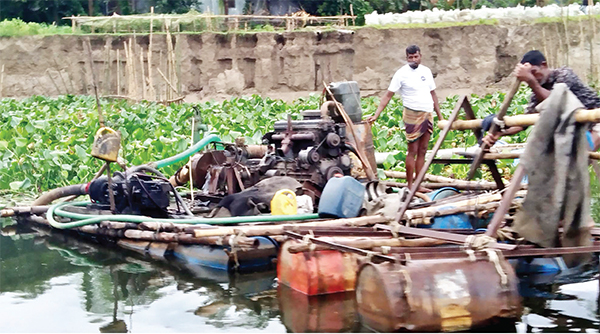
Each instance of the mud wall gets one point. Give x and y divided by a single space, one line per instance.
476 59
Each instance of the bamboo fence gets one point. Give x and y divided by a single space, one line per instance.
200 22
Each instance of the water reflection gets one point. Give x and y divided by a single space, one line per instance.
52 282
78 286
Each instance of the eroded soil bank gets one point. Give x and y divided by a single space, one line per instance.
464 59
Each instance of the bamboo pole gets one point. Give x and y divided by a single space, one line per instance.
166 227
2 81
107 66
184 238
170 54
166 80
424 216
581 116
131 62
143 75
429 177
279 229
593 70
126 49
471 202
152 92
53 82
118 73
160 57
367 243
475 185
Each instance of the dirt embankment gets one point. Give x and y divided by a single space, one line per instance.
464 59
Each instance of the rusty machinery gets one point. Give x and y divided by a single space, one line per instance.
310 150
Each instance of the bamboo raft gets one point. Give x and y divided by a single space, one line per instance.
438 264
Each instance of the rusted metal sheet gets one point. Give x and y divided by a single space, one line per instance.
436 295
318 272
334 313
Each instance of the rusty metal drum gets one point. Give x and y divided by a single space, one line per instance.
437 295
318 272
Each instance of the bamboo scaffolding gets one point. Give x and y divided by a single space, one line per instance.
290 22
581 116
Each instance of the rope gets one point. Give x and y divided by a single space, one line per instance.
385 250
500 123
494 258
471 254
370 255
478 242
408 281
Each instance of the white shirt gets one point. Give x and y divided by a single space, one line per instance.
415 86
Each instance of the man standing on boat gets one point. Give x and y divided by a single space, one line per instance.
534 71
414 82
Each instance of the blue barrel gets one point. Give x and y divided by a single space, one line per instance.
342 197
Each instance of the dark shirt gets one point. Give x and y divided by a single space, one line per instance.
587 96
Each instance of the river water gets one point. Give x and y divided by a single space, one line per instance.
56 283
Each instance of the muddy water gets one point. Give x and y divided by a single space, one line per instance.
54 283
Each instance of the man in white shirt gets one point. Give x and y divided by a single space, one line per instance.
414 82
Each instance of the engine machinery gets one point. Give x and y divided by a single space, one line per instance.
311 150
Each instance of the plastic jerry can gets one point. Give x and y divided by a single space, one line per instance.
342 197
284 203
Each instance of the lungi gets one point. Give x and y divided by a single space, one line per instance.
417 123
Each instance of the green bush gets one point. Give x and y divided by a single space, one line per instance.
16 27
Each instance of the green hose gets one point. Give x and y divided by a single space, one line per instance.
187 153
94 219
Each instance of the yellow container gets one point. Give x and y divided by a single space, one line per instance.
107 143
284 203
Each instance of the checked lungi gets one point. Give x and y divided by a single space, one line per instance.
417 123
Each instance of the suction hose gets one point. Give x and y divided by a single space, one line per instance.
94 219
54 194
187 153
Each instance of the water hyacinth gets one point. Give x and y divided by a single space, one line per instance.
46 142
